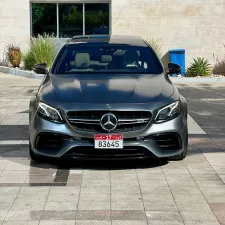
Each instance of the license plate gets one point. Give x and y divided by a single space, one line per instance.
104 141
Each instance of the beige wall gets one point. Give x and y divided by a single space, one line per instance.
14 23
196 25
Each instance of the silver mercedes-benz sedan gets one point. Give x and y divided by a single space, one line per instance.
107 97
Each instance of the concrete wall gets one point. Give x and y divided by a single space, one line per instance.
14 23
196 25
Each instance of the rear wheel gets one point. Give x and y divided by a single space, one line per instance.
182 155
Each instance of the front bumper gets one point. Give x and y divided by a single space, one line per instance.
138 144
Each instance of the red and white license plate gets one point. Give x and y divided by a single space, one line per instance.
104 141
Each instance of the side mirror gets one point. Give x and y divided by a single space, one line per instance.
41 68
174 68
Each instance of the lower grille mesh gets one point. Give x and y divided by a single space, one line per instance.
170 141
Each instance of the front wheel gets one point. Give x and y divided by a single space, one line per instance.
33 156
182 155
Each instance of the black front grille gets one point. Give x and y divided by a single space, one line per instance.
169 141
127 120
90 152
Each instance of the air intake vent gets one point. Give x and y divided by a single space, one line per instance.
170 141
47 141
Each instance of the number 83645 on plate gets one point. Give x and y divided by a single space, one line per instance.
110 141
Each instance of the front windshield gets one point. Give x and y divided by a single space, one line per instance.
79 58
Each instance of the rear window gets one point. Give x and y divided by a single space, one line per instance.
80 58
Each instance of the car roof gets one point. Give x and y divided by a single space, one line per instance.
108 39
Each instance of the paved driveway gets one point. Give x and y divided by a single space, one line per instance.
190 192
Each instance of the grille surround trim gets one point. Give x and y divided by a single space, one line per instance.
128 121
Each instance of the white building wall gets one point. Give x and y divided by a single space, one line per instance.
14 23
196 25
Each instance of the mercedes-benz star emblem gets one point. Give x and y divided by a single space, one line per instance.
109 122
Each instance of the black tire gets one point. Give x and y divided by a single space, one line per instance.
33 156
182 155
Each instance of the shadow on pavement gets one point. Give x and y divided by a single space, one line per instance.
100 165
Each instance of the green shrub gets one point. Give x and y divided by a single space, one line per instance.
200 67
28 60
42 50
155 44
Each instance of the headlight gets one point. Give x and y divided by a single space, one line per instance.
49 113
168 113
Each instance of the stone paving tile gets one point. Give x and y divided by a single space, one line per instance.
39 179
9 190
20 222
29 198
164 216
63 197
188 198
95 189
125 190
193 206
67 190
125 197
5 206
154 170
13 176
57 205
58 215
93 197
160 206
42 171
155 183
202 223
155 190
33 191
7 198
128 215
3 164
157 197
24 215
210 184
175 171
57 222
127 205
18 165
201 216
21 206
144 176
93 215
94 205
185 190
3 214
92 222
128 222
96 183
123 176
126 183
219 211
95 176
158 222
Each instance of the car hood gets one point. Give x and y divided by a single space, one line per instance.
101 88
